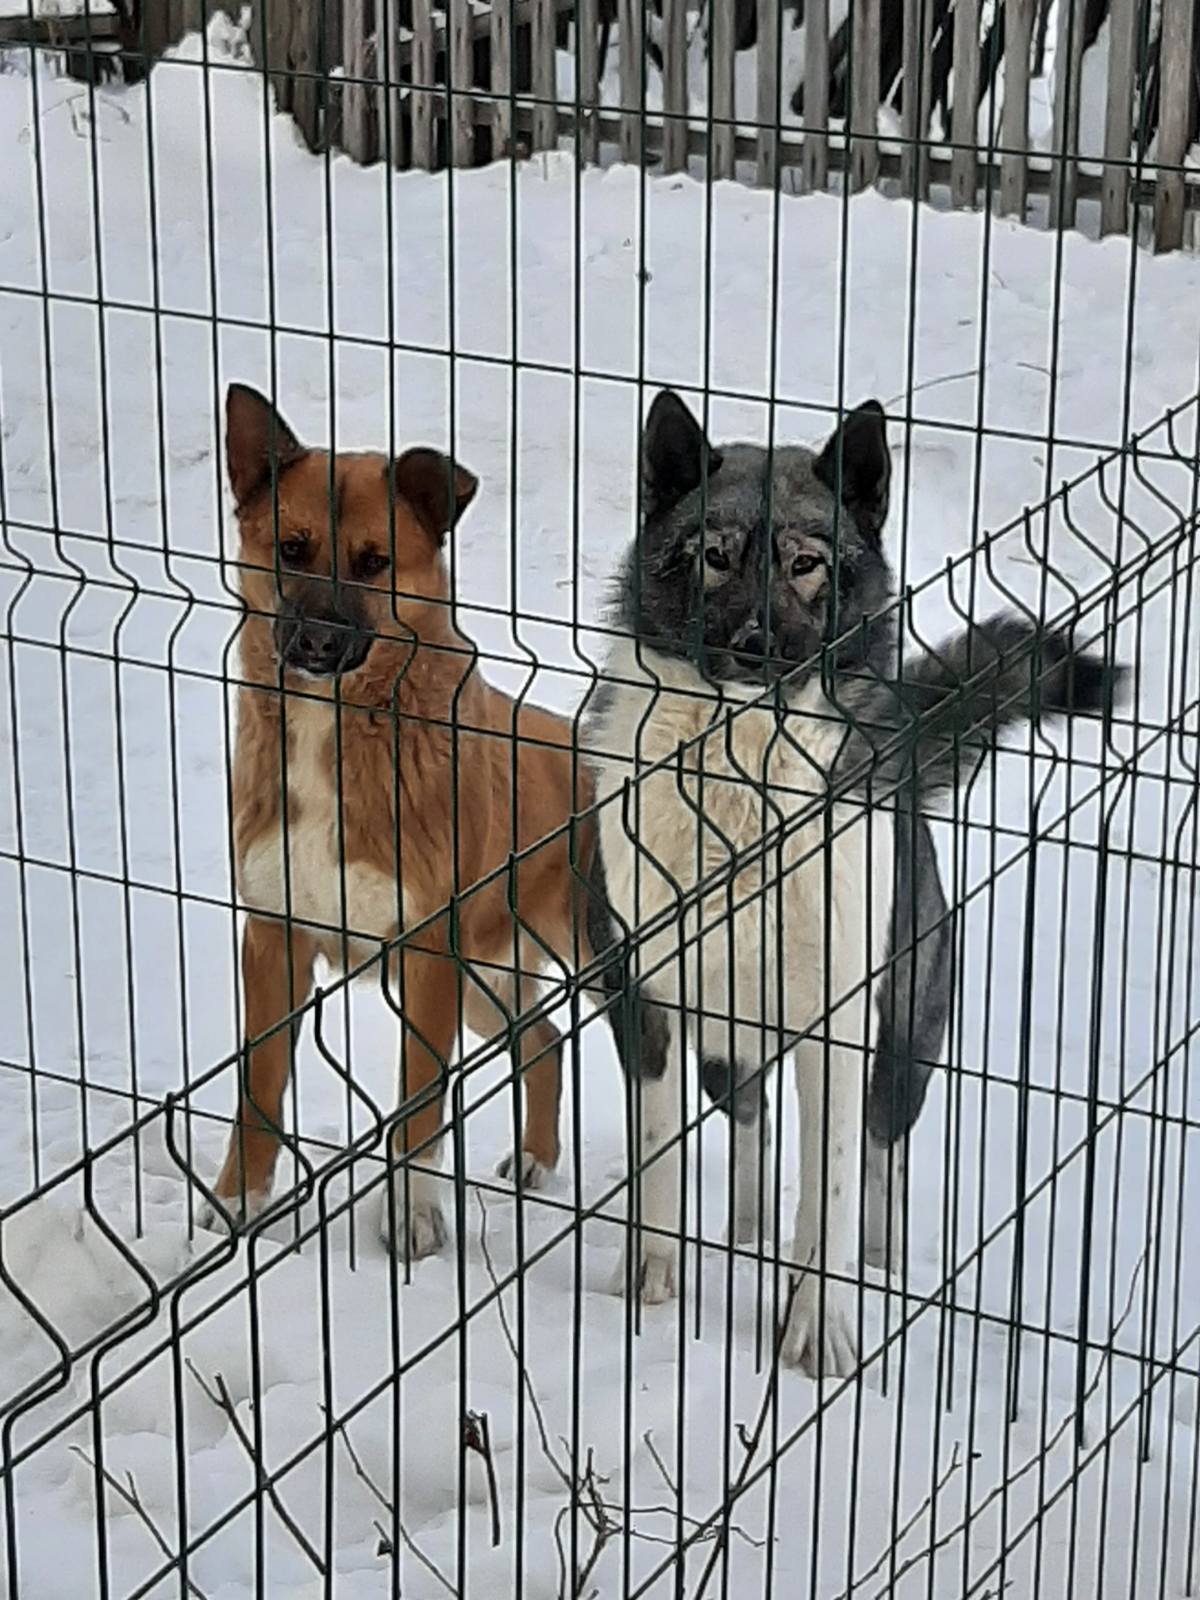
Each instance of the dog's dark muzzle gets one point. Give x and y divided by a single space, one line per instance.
323 644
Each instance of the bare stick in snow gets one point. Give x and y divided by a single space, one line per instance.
1005 1486
409 1543
477 1436
927 1504
223 1401
129 1493
719 1521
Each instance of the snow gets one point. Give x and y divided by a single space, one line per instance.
115 774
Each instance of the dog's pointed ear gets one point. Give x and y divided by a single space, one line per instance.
866 466
676 455
439 490
258 442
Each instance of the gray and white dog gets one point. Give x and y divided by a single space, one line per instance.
753 692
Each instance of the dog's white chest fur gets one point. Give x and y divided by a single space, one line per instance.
314 889
761 943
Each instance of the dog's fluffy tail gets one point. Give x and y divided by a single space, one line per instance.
926 731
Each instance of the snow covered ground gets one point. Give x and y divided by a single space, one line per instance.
114 529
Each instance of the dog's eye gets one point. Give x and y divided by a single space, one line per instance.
294 550
372 564
716 558
803 565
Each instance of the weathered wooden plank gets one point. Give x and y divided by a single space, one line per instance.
1176 58
500 33
423 140
393 106
865 21
356 110
675 89
964 121
545 87
275 36
1068 72
1118 116
587 69
766 167
914 122
1014 119
461 74
815 163
721 77
307 90
630 25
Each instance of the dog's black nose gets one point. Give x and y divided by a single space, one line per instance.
754 645
319 646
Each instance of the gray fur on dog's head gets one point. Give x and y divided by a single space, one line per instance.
740 548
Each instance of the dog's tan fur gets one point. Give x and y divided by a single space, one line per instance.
440 777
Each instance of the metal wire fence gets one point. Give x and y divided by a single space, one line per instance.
282 790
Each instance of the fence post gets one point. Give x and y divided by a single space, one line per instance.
816 94
306 56
587 68
545 87
723 103
864 92
1068 71
1173 118
1118 117
392 128
1014 120
914 157
422 73
356 107
767 165
630 20
675 89
964 121
500 26
460 47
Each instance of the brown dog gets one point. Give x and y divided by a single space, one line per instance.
368 741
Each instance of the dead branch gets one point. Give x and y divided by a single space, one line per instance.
223 1401
477 1436
128 1492
927 1504
585 1494
719 1520
339 1428
1005 1486
670 1511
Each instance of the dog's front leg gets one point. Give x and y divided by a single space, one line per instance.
650 1044
822 1336
277 967
412 1222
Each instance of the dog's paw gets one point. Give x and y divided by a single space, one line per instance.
242 1209
533 1173
654 1280
411 1221
822 1338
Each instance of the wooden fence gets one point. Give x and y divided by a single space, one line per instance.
500 61
423 86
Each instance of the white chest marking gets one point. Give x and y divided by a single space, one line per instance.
314 888
760 943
